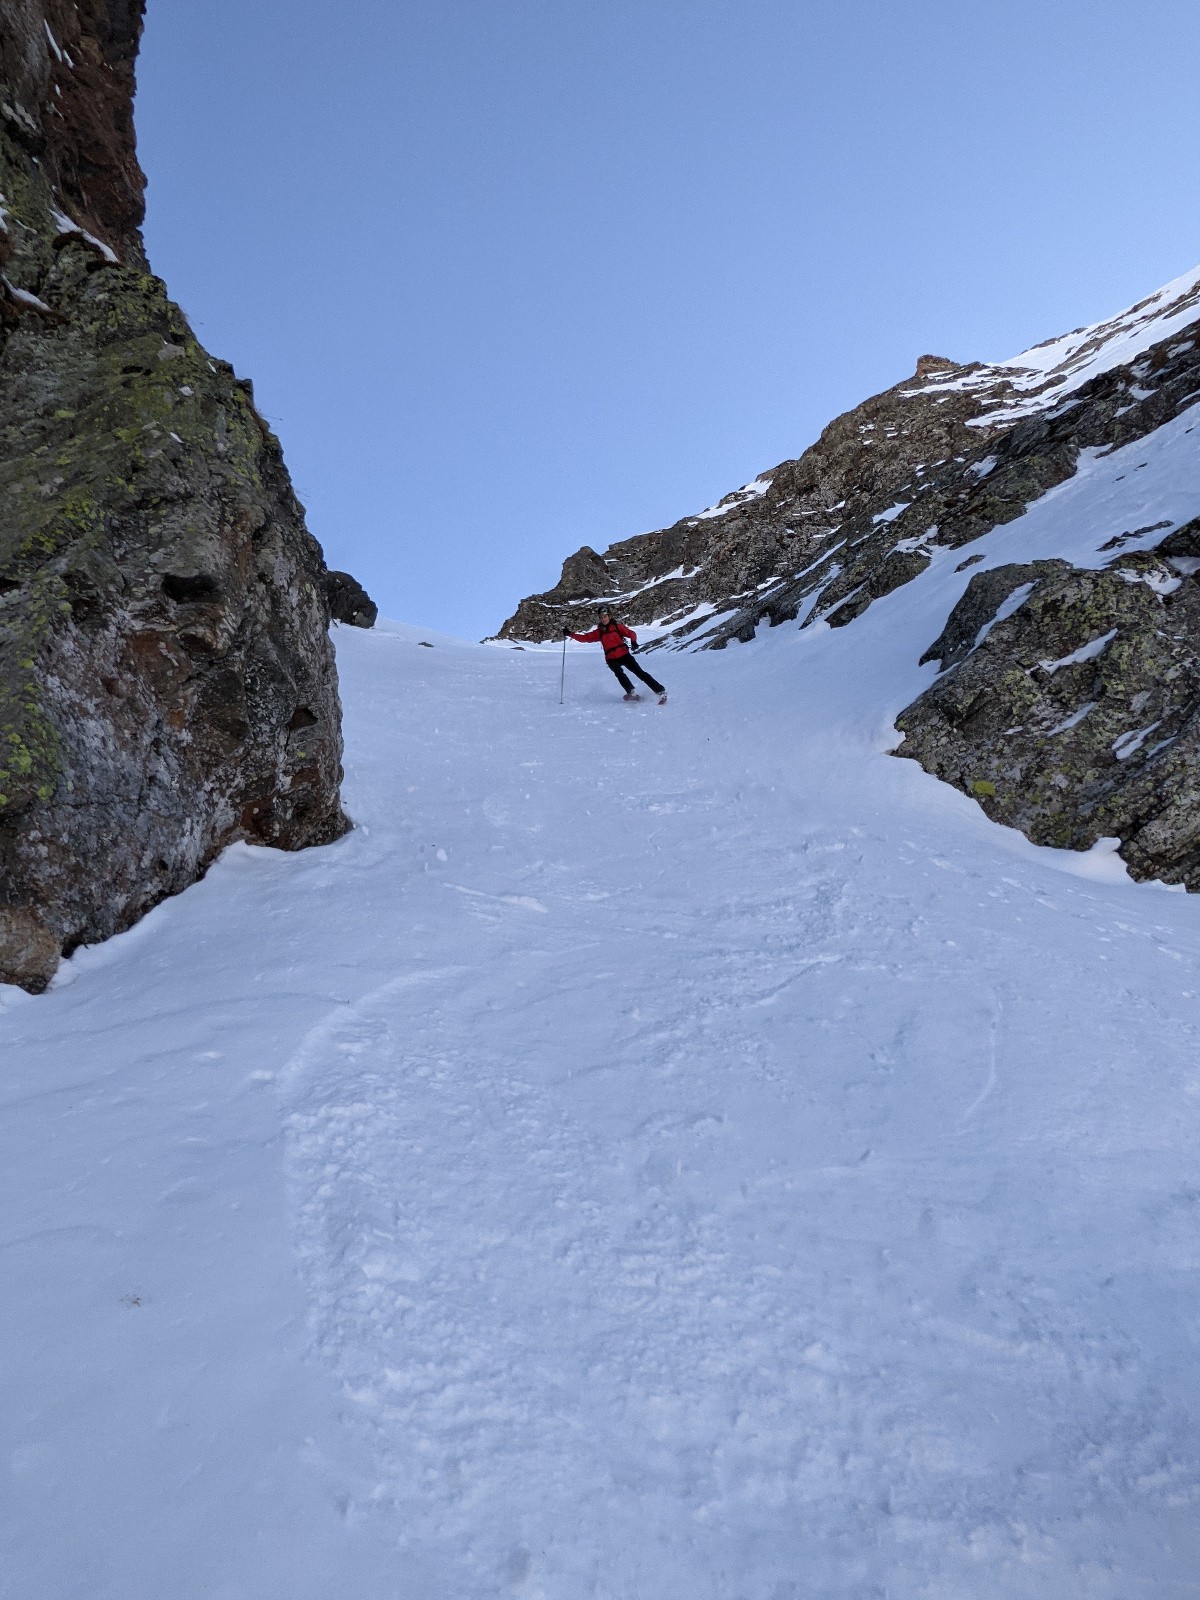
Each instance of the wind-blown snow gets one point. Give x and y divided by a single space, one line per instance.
1086 652
627 595
23 295
1074 719
1130 743
1050 372
739 497
65 225
1006 609
680 1154
1082 354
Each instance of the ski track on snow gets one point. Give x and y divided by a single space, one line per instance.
645 1244
719 1163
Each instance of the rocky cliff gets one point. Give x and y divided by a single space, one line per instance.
1068 701
167 682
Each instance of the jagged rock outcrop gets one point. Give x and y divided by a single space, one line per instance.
1077 716
1068 701
167 682
348 601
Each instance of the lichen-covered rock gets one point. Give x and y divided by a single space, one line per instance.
1077 716
167 683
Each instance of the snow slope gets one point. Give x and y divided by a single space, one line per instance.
679 1154
1050 372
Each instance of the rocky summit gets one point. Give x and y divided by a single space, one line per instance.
1066 701
167 682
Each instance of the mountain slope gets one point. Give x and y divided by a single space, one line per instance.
906 466
1028 455
718 1163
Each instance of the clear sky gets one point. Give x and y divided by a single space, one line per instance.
512 276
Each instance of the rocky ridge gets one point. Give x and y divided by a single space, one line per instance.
167 682
1066 738
850 519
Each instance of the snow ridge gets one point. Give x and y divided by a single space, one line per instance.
1051 371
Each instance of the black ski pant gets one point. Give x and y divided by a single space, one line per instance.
618 666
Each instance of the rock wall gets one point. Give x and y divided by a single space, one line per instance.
167 682
1077 717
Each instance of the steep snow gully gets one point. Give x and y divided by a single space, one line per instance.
660 1154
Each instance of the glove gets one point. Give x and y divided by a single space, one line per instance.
566 633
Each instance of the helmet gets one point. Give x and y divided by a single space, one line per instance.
604 611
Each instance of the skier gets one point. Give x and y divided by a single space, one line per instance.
617 654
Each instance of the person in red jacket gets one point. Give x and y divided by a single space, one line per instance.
617 655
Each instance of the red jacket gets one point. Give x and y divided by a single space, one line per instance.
612 637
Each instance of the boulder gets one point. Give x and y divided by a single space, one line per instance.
348 601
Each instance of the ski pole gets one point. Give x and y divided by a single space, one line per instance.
562 676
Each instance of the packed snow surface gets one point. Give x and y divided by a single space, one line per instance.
660 1154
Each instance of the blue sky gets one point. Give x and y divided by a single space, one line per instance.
513 277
